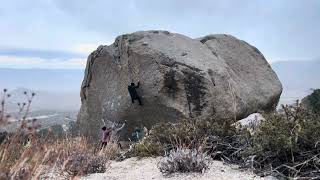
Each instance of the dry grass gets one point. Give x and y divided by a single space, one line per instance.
26 154
64 157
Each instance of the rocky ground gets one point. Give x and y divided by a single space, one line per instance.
146 169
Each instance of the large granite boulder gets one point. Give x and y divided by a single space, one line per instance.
181 77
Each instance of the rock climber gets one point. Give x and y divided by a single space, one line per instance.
133 93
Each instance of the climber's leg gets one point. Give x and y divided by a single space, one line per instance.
139 99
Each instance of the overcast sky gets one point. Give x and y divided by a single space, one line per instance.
61 33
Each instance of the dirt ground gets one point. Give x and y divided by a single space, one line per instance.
146 169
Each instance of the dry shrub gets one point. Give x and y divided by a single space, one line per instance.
84 163
164 137
183 159
186 144
286 144
76 156
145 148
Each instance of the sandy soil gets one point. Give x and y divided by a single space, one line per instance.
146 169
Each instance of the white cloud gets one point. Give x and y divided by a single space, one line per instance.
274 60
34 62
85 48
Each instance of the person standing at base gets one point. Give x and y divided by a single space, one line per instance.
105 137
115 134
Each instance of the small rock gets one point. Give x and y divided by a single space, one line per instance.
251 123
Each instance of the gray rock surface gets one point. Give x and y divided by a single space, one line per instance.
217 75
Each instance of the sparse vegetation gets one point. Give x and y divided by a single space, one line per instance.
146 148
187 145
193 132
285 145
30 153
183 159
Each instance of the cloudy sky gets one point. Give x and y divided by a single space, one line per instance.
61 33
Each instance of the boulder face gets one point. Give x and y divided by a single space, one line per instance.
180 77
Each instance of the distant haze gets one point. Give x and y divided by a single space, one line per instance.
298 78
45 100
55 89
52 80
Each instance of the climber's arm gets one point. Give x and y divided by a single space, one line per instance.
121 127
